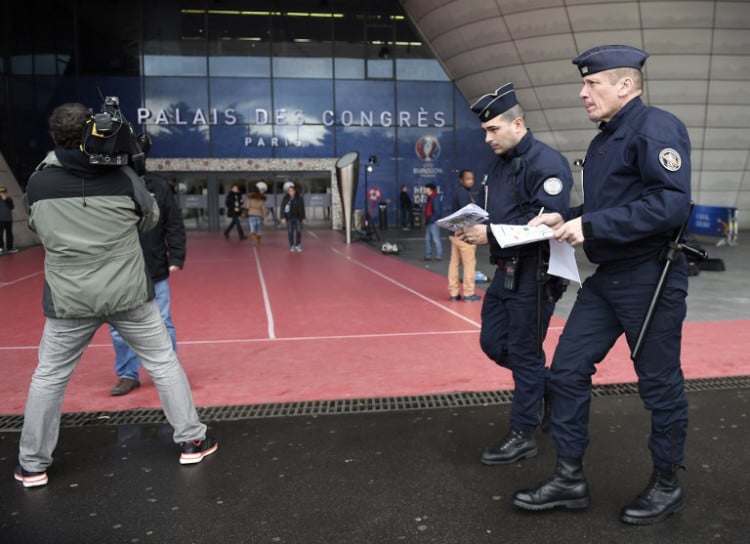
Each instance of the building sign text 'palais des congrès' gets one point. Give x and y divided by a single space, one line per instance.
291 118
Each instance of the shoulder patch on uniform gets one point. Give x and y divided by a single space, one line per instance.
553 186
670 159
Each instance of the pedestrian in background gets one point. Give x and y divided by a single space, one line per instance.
462 253
256 214
234 204
7 244
433 210
164 252
293 213
405 204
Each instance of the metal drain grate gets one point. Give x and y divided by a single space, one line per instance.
349 406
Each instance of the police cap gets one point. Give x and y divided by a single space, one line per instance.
491 105
607 57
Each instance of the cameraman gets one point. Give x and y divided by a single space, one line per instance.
87 218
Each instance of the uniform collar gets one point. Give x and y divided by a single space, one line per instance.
616 121
521 147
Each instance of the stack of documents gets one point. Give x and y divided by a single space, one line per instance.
562 256
516 235
469 215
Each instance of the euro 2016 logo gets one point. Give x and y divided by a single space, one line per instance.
427 148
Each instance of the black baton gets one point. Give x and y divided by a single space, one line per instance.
673 249
541 279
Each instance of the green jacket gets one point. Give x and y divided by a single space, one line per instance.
88 219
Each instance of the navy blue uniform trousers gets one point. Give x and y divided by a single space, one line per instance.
508 337
608 304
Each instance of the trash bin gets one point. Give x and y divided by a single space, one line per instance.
382 216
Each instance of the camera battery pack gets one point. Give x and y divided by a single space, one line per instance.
510 268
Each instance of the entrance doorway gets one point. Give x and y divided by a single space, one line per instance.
201 195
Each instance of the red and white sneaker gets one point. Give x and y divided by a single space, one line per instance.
30 479
194 451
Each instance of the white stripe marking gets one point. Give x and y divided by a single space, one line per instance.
409 289
289 339
13 282
266 299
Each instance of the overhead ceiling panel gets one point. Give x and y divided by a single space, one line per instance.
682 41
561 95
538 49
724 159
492 56
514 6
543 22
679 67
699 69
732 15
731 42
720 181
732 67
725 116
677 15
473 35
675 91
727 138
600 16
553 72
720 198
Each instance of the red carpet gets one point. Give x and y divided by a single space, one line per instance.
334 321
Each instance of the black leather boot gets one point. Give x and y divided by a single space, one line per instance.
515 445
661 497
567 487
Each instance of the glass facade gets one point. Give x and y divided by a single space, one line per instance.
258 79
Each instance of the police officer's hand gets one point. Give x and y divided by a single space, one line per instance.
553 220
571 232
475 234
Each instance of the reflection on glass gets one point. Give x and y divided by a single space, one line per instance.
174 65
240 66
380 69
303 67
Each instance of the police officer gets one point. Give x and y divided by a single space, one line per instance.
637 195
526 176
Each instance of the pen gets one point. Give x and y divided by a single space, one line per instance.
540 212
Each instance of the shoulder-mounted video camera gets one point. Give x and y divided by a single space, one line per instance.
109 139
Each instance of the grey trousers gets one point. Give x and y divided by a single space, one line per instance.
62 345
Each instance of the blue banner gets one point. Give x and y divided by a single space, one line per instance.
711 220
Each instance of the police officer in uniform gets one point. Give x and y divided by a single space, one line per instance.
637 195
526 176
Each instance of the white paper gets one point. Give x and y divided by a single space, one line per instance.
562 261
516 235
469 215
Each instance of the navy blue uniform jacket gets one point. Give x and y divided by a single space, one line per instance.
528 166
636 186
